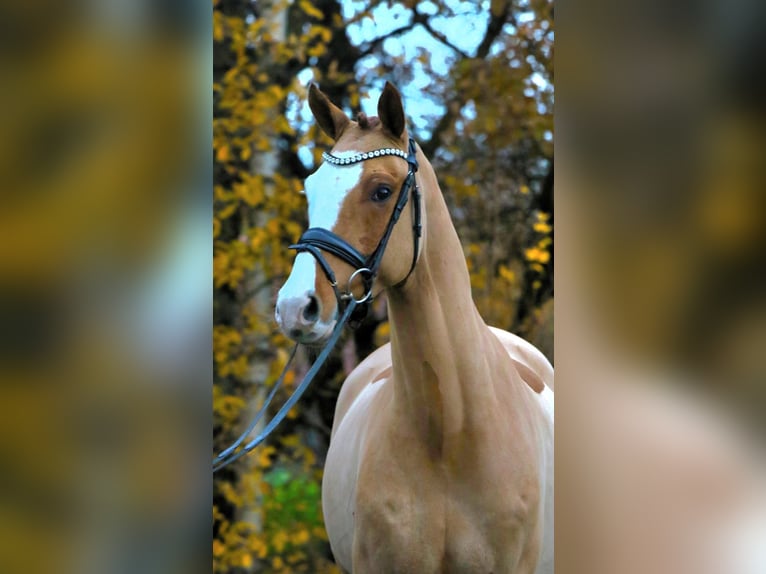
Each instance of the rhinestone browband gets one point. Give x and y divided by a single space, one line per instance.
362 156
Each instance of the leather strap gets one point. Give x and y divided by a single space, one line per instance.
327 241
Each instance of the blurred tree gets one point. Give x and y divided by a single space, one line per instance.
478 85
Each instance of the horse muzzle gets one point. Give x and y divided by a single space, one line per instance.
299 317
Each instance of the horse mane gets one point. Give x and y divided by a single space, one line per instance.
366 122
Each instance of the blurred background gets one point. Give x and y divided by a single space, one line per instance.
477 84
660 324
105 290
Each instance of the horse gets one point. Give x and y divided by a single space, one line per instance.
441 449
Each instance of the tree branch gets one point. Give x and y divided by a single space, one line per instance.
422 19
494 28
370 48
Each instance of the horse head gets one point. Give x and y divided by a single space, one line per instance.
357 242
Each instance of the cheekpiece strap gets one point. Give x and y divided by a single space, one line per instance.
412 156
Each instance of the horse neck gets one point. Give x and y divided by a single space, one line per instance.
439 344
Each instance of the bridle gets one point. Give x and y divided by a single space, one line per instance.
351 310
316 239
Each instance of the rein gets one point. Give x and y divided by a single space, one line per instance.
230 454
314 241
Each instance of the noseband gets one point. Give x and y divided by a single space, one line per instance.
350 309
316 239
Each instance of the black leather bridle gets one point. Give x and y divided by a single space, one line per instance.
317 239
350 309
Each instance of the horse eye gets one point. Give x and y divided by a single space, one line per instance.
381 194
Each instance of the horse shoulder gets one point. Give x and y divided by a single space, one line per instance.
533 366
341 477
372 369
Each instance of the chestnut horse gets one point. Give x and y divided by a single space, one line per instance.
441 456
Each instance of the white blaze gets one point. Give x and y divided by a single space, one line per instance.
326 189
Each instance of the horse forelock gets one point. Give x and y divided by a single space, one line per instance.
366 122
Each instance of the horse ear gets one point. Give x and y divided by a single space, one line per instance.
330 117
390 110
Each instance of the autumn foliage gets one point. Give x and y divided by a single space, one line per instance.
485 119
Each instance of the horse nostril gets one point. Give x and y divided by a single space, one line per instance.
311 311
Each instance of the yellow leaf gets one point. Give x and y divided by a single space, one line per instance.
382 334
316 50
507 274
280 540
310 9
524 189
290 440
218 548
222 154
301 537
383 330
217 26
247 561
264 457
537 255
289 379
227 211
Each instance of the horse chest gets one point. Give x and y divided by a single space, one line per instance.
437 521
402 515
392 505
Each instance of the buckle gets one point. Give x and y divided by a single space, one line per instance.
367 295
